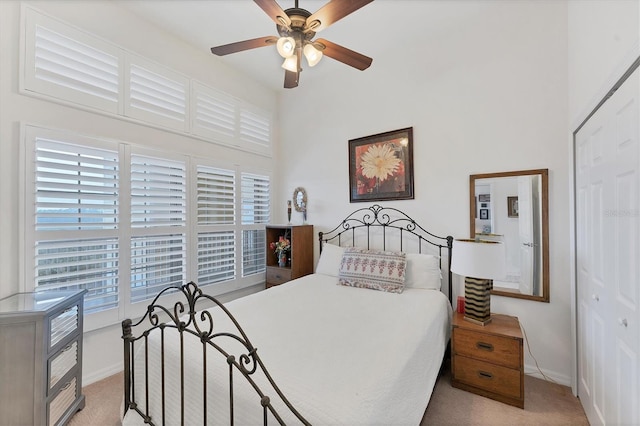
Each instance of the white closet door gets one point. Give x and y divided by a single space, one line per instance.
607 168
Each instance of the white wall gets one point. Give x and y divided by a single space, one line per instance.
103 347
604 39
486 96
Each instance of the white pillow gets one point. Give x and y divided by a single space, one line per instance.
423 271
330 259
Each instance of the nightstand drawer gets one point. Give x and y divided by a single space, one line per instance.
278 275
488 347
61 363
487 376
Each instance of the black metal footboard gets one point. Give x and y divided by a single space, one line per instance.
184 322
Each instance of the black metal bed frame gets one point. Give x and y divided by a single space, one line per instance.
200 324
387 218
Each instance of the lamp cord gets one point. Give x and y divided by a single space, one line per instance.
526 339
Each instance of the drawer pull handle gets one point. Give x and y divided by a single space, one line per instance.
67 347
485 375
65 387
484 346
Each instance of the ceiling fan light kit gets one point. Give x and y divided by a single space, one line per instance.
296 28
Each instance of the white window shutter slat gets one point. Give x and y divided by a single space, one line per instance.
216 257
157 262
255 129
158 192
255 199
156 94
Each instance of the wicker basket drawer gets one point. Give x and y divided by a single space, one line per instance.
61 403
278 275
487 376
61 363
63 324
488 347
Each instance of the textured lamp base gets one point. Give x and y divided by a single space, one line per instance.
477 300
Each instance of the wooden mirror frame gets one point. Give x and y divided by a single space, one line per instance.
544 174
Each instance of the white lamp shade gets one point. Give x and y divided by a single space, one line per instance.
286 46
291 63
479 259
312 54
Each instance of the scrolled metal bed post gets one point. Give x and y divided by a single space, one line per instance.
126 336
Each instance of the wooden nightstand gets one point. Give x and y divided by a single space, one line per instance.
488 360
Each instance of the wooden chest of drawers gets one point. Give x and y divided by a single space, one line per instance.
488 360
41 357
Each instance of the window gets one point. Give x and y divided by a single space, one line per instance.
158 222
76 210
95 207
255 212
216 220
72 66
156 94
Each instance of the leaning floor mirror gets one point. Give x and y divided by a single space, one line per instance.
513 207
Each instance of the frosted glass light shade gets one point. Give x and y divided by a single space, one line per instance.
312 54
479 259
291 63
286 46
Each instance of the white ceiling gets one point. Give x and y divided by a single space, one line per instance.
372 30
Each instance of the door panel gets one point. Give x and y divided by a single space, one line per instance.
607 179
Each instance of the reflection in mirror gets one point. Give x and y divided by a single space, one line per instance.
300 199
512 207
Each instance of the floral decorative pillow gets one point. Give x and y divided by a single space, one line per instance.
376 270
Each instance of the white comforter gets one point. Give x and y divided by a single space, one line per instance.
341 355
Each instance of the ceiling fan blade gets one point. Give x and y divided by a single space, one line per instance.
275 12
332 12
291 79
344 55
243 45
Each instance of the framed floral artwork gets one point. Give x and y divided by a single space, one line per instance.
381 166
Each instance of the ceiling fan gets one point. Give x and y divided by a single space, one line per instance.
297 27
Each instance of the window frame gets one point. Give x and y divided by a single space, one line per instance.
125 231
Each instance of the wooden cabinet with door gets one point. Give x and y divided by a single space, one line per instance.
300 257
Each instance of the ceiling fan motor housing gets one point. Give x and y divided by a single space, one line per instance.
298 19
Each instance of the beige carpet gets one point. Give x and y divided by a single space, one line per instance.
545 404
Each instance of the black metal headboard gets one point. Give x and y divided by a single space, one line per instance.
385 222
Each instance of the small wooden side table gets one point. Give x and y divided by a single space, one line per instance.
488 360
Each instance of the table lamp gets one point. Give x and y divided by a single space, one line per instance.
480 262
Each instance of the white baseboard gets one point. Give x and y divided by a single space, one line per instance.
89 377
561 379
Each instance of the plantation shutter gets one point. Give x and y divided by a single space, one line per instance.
216 218
158 192
214 114
158 220
157 95
255 210
66 63
255 199
255 129
76 221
